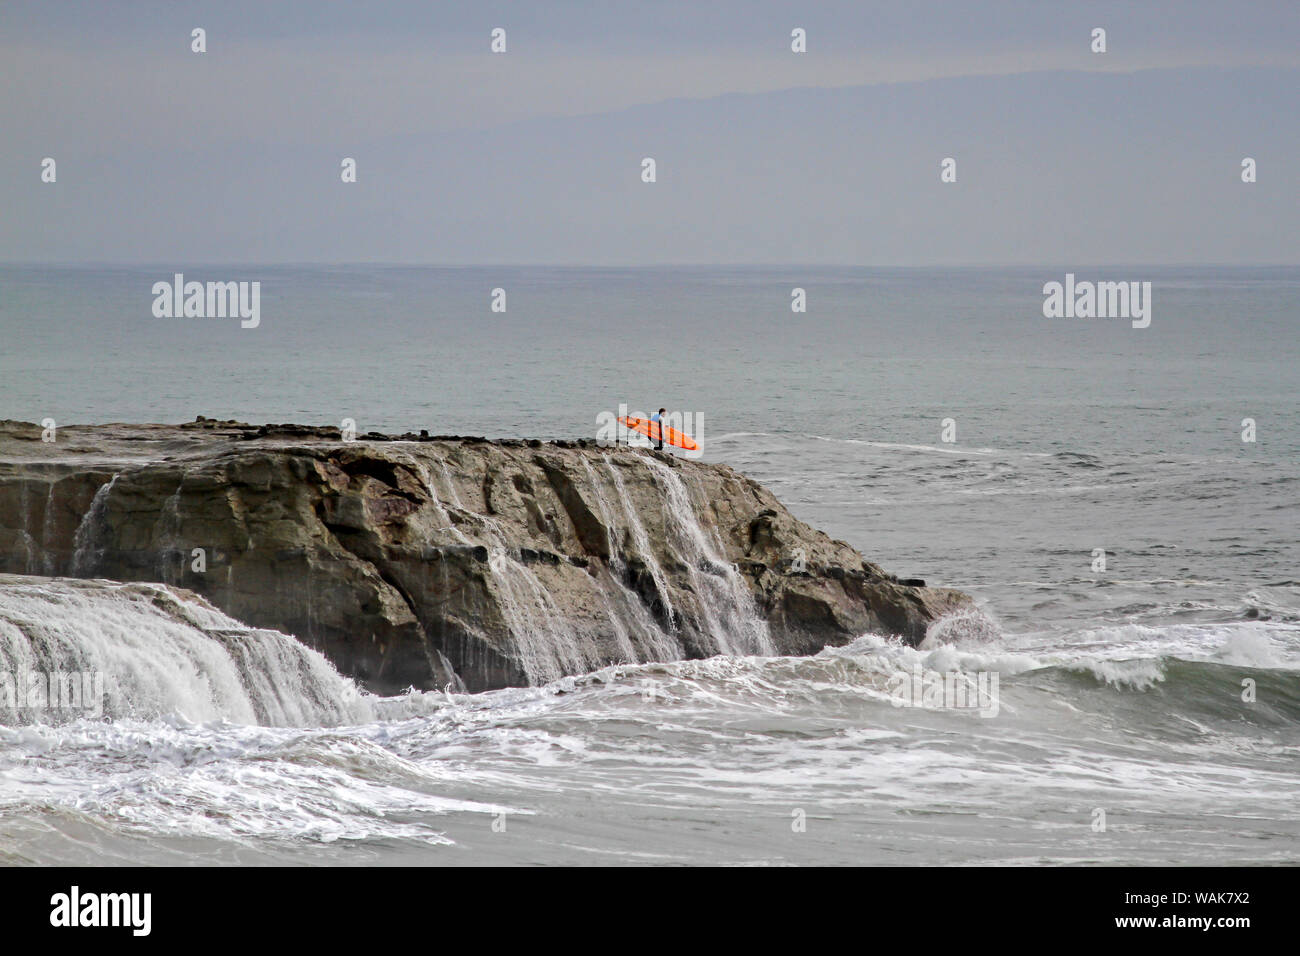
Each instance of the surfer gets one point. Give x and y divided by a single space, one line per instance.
660 433
658 419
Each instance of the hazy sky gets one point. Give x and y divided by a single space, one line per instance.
764 155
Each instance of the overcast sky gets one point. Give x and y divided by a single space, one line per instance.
764 155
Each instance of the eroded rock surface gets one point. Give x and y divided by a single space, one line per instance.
429 561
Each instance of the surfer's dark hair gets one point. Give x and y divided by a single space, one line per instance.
663 409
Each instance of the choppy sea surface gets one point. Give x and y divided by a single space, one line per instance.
1148 711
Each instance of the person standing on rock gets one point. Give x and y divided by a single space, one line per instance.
658 418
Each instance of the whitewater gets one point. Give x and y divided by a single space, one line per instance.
223 743
1149 712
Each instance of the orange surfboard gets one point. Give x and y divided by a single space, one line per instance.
651 430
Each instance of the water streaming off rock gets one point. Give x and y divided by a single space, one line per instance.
1121 690
153 652
724 599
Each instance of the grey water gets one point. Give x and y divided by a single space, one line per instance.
1122 734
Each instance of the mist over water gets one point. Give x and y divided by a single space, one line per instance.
1119 689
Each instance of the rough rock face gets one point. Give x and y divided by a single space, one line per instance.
434 561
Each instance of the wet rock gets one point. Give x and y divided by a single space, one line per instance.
445 560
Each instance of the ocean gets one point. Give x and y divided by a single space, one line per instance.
1134 559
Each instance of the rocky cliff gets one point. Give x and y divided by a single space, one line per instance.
429 561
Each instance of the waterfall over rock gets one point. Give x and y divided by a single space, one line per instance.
447 562
88 649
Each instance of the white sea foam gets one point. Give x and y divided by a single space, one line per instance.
160 652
